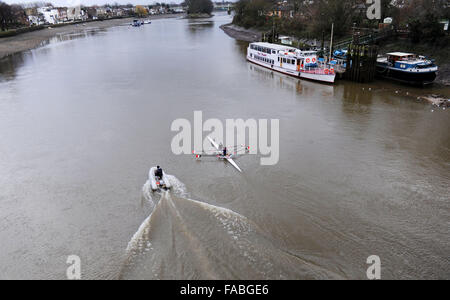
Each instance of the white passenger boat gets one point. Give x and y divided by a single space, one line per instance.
290 61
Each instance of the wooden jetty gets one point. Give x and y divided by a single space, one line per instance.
361 62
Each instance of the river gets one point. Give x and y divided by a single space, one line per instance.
363 170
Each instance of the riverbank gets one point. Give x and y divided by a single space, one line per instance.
440 55
240 33
198 16
30 40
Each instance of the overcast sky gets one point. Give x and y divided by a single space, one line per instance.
91 2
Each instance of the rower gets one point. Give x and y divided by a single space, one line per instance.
159 172
224 151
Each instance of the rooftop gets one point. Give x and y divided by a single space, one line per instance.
400 54
274 46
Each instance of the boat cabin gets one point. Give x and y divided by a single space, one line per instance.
400 56
290 61
402 60
270 48
283 56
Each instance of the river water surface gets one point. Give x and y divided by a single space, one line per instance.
363 170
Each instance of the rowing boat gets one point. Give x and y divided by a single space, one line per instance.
227 157
219 154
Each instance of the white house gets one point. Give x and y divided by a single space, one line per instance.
35 20
74 13
50 14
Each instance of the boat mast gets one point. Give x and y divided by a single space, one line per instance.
331 43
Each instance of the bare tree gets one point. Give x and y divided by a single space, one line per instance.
5 15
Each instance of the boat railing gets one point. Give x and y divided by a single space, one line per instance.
319 71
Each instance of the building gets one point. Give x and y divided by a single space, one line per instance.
102 12
91 13
445 24
282 10
62 14
50 14
74 13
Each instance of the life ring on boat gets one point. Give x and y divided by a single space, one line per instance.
327 71
332 70
314 60
308 60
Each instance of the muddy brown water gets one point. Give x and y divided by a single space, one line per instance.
364 169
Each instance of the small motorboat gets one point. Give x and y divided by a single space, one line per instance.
158 183
137 23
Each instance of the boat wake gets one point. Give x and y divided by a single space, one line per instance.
178 188
189 239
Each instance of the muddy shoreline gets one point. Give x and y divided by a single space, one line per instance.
240 33
30 40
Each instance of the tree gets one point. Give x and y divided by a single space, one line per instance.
6 16
423 20
252 13
141 11
199 6
327 12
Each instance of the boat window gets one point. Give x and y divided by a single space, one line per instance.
284 60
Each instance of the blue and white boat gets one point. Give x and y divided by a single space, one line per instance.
407 67
137 23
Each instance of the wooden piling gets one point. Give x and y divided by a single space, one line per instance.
361 62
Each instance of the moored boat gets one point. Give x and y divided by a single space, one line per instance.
137 23
290 61
407 67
